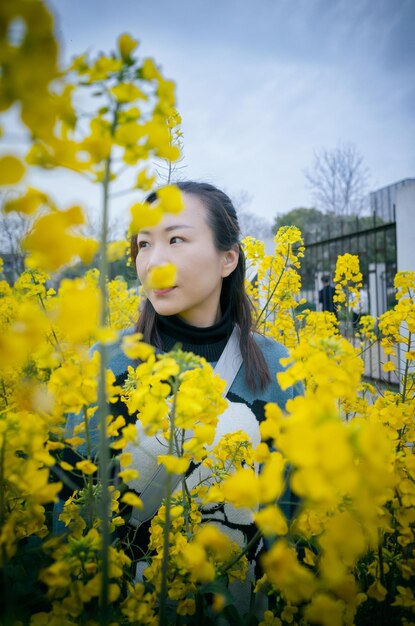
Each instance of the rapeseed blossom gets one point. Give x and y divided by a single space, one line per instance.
162 277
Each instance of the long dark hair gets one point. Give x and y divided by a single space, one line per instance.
222 219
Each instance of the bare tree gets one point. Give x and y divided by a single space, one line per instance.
250 223
339 180
254 225
117 226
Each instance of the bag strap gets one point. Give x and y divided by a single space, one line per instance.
227 367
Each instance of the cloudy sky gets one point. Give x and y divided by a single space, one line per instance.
261 84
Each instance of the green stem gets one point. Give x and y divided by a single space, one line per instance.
366 348
167 522
4 393
89 479
246 549
42 304
380 555
273 291
170 170
348 328
185 492
104 456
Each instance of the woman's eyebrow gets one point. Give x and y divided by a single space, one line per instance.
167 229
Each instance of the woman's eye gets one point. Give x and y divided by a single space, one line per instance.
142 244
176 239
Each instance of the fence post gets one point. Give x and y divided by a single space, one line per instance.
405 238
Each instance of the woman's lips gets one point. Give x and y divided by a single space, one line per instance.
163 292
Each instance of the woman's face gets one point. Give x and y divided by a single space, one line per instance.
186 240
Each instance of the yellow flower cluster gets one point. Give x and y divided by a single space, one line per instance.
276 283
356 480
44 373
191 561
28 63
197 392
75 575
398 324
329 366
348 280
121 130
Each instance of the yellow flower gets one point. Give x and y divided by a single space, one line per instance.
186 607
28 203
173 464
128 474
196 561
218 602
261 452
66 466
242 489
86 467
284 571
134 348
348 280
325 610
126 45
106 336
51 243
271 521
162 277
127 92
213 539
288 613
150 70
78 300
271 478
171 199
117 250
377 591
132 500
74 441
270 619
404 598
103 67
126 458
144 215
310 557
389 366
11 170
176 511
144 180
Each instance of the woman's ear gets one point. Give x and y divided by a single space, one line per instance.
230 260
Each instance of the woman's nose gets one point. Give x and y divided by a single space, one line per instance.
158 256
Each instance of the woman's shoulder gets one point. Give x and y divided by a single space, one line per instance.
117 361
272 350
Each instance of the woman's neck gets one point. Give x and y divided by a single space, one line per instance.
207 341
203 318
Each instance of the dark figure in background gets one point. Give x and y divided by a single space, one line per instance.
325 296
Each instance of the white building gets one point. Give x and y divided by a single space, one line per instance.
383 201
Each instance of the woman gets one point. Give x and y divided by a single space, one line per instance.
200 312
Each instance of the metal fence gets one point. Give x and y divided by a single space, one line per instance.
376 247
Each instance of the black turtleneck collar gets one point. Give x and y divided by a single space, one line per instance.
208 342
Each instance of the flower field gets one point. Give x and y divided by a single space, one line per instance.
334 500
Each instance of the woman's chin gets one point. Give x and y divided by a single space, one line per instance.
165 308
